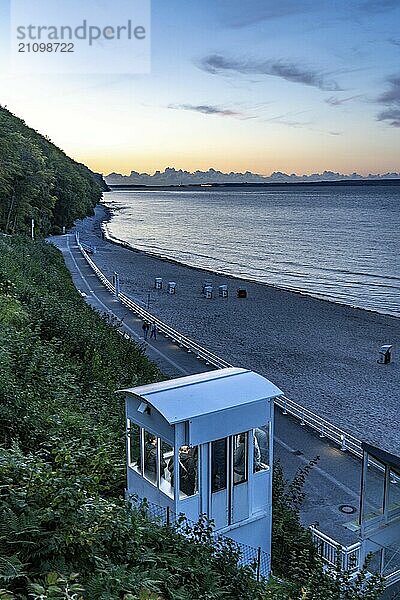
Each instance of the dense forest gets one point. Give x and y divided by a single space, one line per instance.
38 181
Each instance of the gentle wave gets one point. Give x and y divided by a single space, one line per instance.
339 244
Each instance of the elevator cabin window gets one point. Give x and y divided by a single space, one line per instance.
219 464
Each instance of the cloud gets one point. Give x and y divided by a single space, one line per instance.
208 109
334 101
288 120
378 6
217 64
391 115
391 99
392 95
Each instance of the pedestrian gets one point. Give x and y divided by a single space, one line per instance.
153 333
145 328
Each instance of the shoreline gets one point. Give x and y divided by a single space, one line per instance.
322 354
109 213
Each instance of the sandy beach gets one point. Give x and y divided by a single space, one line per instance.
323 355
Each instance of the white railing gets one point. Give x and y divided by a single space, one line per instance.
166 330
175 336
334 554
344 440
392 578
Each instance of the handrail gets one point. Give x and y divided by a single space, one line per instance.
392 578
329 550
182 340
165 329
344 440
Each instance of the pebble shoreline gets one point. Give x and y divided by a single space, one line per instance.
323 355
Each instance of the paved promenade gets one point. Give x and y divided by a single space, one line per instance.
334 482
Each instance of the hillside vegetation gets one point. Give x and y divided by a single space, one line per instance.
65 530
63 521
38 181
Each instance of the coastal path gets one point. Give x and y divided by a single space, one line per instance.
332 488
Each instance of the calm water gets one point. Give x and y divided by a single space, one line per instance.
341 244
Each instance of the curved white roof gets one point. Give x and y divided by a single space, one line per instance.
185 398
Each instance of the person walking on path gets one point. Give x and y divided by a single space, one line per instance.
145 328
153 333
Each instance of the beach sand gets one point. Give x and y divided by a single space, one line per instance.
321 354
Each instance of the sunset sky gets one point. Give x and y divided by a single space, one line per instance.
296 86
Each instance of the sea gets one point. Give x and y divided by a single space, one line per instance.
339 243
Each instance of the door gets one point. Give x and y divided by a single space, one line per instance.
219 483
229 468
240 477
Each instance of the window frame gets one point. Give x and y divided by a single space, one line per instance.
162 441
267 430
138 466
183 495
246 458
146 431
227 466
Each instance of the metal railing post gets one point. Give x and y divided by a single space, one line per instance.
116 285
258 563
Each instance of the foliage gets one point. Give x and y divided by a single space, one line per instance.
65 530
293 551
295 558
38 181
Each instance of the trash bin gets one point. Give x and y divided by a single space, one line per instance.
208 292
223 291
385 354
171 287
158 283
242 293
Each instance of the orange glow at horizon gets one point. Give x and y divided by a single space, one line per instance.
124 163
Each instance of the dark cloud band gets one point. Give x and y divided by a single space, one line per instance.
289 71
391 100
207 109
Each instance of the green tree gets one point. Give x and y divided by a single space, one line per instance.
38 181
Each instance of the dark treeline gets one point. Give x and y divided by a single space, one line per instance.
38 181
